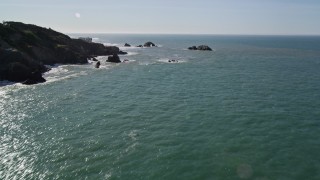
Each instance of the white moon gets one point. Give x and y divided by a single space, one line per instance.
77 15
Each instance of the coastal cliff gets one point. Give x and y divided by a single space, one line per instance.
25 49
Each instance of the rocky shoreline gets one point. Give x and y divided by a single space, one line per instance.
25 49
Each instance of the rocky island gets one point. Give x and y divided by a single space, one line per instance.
200 48
25 49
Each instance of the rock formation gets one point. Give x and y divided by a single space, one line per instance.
97 65
114 58
193 48
149 44
200 48
122 53
26 48
172 61
34 78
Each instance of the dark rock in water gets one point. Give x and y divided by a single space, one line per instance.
200 48
204 48
16 72
37 76
29 82
34 78
97 64
173 61
114 59
125 60
149 44
127 45
94 59
139 46
122 53
192 48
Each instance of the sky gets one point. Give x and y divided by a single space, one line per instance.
248 17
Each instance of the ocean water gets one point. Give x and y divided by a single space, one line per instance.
250 109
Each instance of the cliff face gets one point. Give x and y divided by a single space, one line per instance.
26 48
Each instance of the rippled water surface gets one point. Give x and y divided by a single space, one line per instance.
250 109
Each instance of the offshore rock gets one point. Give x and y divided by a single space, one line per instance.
193 48
127 45
204 48
149 44
122 53
172 61
200 48
114 59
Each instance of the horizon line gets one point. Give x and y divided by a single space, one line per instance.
215 34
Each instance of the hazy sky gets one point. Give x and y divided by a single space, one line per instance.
168 16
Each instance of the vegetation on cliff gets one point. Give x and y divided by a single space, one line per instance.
25 49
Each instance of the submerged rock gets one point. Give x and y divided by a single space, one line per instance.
172 61
139 46
114 59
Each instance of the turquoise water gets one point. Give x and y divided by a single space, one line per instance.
248 110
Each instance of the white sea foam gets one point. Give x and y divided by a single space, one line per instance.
128 48
103 66
110 44
3 93
146 63
101 58
69 76
166 60
133 134
61 72
130 61
95 39
57 69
